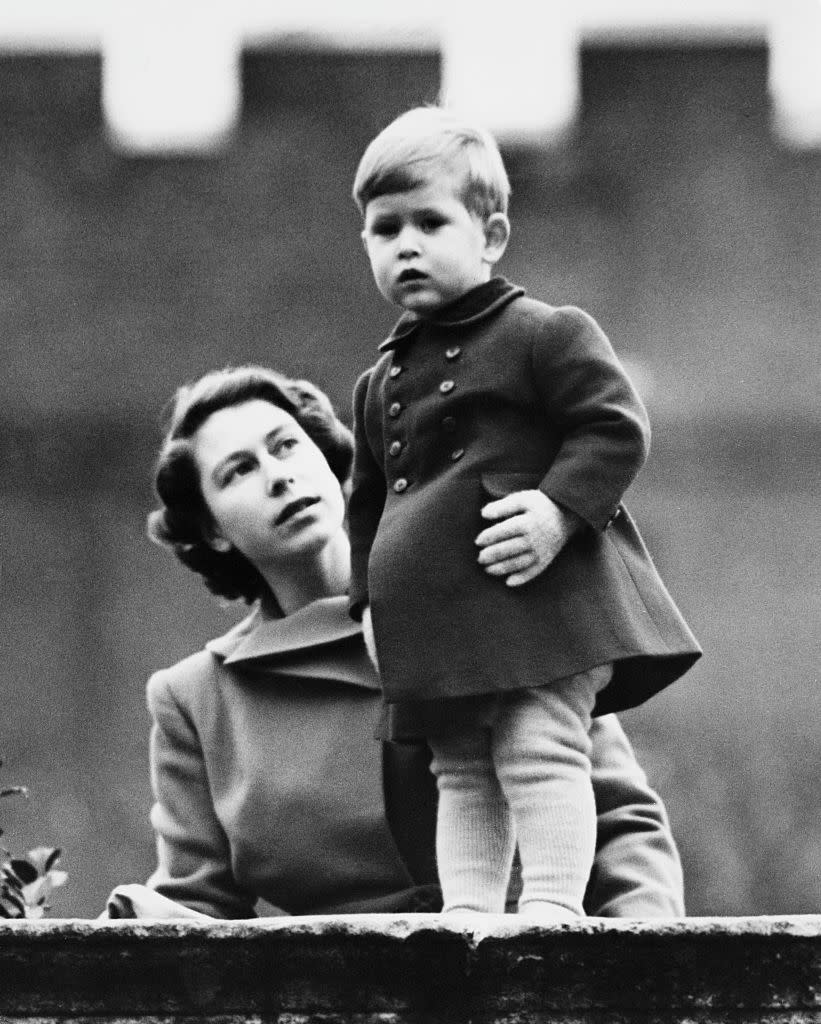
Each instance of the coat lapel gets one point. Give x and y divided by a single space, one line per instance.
320 641
474 306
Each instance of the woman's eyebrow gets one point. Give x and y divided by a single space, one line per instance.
225 462
241 453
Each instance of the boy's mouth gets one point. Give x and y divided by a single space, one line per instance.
411 275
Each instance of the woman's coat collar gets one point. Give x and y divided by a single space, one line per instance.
472 307
296 642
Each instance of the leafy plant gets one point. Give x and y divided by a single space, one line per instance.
27 882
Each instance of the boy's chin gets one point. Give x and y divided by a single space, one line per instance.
421 304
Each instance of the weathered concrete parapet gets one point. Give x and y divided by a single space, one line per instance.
411 969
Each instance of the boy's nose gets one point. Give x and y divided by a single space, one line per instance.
408 242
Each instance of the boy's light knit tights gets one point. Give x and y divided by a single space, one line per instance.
528 775
475 843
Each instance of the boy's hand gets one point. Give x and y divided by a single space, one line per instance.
532 531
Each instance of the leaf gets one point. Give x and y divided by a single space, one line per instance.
17 902
40 857
14 791
52 858
10 879
24 869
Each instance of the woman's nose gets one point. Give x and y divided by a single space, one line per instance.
277 477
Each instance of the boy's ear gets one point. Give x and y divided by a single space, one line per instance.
497 235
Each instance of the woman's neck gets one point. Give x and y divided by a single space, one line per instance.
326 574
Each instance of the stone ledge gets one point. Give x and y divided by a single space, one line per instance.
411 969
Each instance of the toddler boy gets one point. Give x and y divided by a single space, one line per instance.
510 594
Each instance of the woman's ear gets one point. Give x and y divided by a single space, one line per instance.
497 234
217 542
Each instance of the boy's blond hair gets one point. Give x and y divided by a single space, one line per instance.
427 141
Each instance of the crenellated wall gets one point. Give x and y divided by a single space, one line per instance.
416 969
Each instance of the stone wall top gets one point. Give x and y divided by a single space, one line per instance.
386 969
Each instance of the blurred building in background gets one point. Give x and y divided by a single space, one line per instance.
175 195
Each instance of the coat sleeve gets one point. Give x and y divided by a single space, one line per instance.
193 858
597 411
368 491
637 870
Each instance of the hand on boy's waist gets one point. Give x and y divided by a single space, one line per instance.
528 530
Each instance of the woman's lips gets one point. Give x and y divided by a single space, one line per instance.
294 508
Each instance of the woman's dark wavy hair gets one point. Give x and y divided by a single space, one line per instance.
183 521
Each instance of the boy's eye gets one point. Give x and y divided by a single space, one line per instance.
384 228
432 223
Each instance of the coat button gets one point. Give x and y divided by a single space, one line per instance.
395 448
400 485
453 352
395 370
448 424
394 409
447 386
457 454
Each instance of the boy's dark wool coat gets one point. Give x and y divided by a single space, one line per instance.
501 393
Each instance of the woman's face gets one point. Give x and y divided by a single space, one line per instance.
269 488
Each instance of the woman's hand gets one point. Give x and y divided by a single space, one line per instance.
532 531
367 633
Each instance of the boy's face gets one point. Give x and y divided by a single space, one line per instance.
426 248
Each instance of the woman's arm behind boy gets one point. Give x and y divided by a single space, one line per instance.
637 871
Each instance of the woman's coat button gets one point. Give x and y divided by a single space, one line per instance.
447 386
453 352
457 454
394 409
395 370
400 485
395 448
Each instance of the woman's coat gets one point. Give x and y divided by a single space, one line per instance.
502 393
269 785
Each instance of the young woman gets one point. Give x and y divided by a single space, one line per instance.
271 793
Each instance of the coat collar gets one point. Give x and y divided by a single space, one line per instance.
472 307
305 643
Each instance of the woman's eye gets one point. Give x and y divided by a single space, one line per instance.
236 469
284 445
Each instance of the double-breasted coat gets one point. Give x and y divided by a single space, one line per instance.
268 786
499 393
